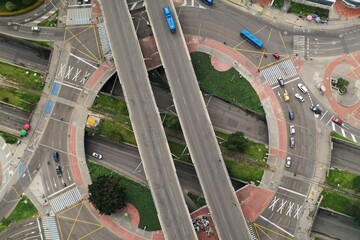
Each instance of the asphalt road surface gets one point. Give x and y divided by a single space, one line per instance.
197 129
346 157
150 136
336 226
13 118
24 54
126 160
28 229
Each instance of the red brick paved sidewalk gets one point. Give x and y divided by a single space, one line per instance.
344 12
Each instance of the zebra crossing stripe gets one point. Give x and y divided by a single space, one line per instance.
133 6
65 199
343 132
285 70
50 229
353 138
333 126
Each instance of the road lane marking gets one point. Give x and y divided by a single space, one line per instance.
353 138
297 193
329 120
324 115
276 226
343 132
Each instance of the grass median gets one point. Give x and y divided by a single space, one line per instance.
136 194
10 139
24 100
339 202
25 209
342 179
229 85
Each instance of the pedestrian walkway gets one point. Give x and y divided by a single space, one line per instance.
284 69
65 199
50 229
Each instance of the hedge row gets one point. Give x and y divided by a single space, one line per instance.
24 10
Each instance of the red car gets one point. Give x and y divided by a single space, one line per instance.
337 120
276 55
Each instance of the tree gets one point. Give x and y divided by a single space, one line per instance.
355 210
172 122
357 183
236 142
107 194
10 6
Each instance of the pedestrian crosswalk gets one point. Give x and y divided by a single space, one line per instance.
66 199
344 133
251 230
284 69
50 229
192 3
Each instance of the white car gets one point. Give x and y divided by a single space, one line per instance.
35 29
292 129
302 88
97 155
299 97
288 162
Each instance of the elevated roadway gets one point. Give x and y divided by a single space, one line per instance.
145 118
195 122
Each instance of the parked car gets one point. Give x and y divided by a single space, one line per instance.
286 96
288 162
58 171
315 109
291 115
337 120
292 129
35 29
97 155
281 82
292 142
56 156
276 55
302 88
299 97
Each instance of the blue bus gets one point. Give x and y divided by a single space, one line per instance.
169 19
208 2
251 38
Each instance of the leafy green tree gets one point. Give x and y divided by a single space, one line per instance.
107 194
236 142
357 183
10 6
172 122
27 2
355 211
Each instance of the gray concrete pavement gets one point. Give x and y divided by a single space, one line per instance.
146 122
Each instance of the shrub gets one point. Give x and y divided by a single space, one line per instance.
10 6
342 90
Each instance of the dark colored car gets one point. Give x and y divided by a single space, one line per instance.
56 156
291 115
315 109
58 171
281 82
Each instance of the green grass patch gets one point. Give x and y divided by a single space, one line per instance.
244 171
110 105
51 21
338 202
278 4
41 43
341 179
304 10
336 135
10 139
118 130
21 76
229 85
136 194
199 201
23 210
253 150
177 149
25 100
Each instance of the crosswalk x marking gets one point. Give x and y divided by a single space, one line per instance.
353 138
50 229
65 199
284 69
